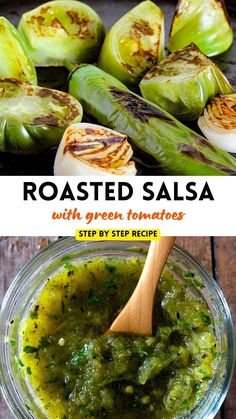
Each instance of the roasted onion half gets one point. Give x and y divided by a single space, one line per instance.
88 149
218 122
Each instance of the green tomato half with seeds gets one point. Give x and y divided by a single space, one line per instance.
61 31
134 44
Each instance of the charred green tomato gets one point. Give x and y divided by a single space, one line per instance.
177 149
184 82
62 30
134 44
77 371
14 59
206 23
33 118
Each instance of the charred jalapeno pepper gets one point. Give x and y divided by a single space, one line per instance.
34 118
134 44
176 148
62 30
14 59
184 82
205 23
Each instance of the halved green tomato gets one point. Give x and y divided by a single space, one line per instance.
62 30
134 44
14 59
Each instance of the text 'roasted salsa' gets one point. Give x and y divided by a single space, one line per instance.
77 372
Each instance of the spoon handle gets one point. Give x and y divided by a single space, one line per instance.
136 316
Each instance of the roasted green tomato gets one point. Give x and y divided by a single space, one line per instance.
205 23
177 149
33 118
134 44
14 59
62 30
77 372
184 82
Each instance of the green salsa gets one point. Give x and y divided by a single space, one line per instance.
77 371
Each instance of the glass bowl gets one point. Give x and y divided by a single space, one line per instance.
27 284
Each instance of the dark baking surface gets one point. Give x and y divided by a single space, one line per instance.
110 11
216 254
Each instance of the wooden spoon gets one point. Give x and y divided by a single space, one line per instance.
136 316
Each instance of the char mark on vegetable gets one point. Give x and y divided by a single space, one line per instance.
89 131
62 99
44 9
56 23
81 22
106 142
44 92
191 54
129 67
11 80
47 120
200 141
33 19
138 30
75 147
191 151
142 28
138 107
222 4
111 140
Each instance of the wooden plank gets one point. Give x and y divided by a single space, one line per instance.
225 268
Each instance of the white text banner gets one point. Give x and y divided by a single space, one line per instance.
179 206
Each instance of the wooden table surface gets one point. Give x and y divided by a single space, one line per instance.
217 254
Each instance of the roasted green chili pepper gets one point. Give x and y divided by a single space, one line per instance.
177 149
62 30
134 44
14 59
205 23
184 82
33 118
